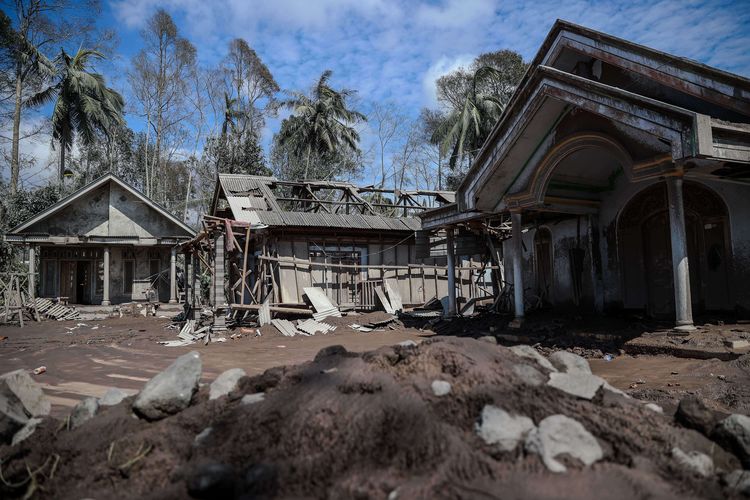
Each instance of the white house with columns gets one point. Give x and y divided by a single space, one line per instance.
106 243
624 173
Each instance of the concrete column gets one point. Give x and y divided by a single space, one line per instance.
451 271
680 268
173 276
188 274
517 269
105 286
32 271
220 300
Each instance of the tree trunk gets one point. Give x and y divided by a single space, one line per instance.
15 165
62 164
307 163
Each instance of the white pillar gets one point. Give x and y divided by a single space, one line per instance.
105 286
32 272
517 269
680 267
451 272
173 276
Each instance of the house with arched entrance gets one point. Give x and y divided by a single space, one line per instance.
624 173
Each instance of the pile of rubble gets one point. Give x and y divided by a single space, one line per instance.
446 418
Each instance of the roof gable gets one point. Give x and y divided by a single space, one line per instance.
107 207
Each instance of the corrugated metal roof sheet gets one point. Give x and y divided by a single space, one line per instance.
343 221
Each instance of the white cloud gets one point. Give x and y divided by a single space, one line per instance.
442 66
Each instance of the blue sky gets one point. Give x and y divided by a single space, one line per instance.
393 50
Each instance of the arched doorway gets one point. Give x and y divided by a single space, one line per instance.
645 250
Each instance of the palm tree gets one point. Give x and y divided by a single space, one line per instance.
84 104
465 130
320 123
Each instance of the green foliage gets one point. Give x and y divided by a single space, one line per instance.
320 129
233 154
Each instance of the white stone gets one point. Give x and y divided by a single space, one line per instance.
441 387
735 430
201 437
83 411
20 384
530 375
694 461
557 435
249 399
170 391
578 384
225 383
654 407
567 362
26 431
407 343
528 352
498 427
112 397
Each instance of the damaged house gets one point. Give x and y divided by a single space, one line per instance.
624 173
106 243
266 240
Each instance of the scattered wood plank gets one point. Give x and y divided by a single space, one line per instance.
394 295
383 300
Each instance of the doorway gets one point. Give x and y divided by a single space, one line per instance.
645 251
75 281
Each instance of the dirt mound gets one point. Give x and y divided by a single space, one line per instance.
361 426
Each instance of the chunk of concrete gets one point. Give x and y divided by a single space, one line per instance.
567 362
170 391
26 431
581 385
498 427
528 352
249 399
441 388
737 345
20 385
225 383
530 375
694 461
83 411
488 338
734 433
112 397
408 343
557 435
739 481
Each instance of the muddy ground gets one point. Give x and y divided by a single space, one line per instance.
342 424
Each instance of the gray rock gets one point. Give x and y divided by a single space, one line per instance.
739 481
26 431
734 433
249 399
202 436
112 397
170 391
567 362
408 343
694 461
528 352
488 338
225 383
20 384
558 435
83 411
12 417
693 413
578 384
441 388
498 427
212 480
530 375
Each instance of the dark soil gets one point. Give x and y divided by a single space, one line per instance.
366 425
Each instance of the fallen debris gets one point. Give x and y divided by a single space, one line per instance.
322 305
286 327
311 327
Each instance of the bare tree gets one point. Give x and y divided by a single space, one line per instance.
163 68
387 122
